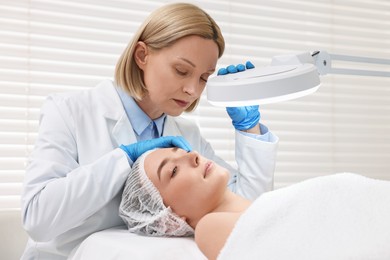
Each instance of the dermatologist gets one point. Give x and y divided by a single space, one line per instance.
88 140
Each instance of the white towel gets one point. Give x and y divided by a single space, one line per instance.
341 216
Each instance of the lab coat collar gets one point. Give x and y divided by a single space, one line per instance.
112 109
123 132
138 118
170 127
109 101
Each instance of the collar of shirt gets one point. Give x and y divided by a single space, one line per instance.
138 119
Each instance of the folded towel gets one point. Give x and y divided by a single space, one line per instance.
341 216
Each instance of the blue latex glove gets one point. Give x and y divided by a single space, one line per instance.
135 150
243 118
235 69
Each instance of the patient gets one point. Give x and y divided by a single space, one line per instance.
171 192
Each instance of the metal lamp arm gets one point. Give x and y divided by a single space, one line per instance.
323 61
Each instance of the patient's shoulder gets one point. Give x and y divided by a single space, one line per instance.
212 231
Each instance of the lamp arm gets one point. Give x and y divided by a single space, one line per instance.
323 62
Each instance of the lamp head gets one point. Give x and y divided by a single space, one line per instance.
288 77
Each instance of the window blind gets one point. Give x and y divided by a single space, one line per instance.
49 46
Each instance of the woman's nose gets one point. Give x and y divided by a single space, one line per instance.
193 157
192 88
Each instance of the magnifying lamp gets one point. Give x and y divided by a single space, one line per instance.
288 77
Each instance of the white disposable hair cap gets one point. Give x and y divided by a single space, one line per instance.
143 210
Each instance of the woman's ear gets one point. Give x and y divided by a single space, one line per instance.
141 54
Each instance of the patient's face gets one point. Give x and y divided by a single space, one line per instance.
189 183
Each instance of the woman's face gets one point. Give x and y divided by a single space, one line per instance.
175 76
189 183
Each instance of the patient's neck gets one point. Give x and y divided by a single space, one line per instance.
230 202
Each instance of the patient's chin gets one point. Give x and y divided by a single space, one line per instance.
225 174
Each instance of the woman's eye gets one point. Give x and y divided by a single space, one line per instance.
204 77
181 73
174 172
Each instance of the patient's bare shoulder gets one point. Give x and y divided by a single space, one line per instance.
212 231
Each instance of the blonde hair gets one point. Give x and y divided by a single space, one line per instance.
161 29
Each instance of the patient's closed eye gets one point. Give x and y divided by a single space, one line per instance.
174 172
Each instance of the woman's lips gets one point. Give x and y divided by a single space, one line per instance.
181 103
209 166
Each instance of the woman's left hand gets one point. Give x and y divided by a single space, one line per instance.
235 68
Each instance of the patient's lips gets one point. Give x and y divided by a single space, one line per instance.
208 167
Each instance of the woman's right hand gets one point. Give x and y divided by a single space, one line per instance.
244 118
247 117
135 150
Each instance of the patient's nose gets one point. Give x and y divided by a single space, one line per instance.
193 158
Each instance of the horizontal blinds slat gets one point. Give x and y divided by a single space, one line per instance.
15 151
37 92
18 126
120 10
14 176
13 163
14 138
74 56
10 189
86 69
10 202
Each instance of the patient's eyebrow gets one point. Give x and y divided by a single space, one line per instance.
160 167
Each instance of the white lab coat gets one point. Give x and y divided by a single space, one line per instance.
74 181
